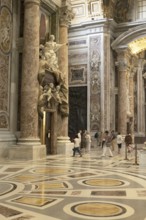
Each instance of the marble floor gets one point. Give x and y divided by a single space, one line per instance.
74 188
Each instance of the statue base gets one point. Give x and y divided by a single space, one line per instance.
27 149
64 146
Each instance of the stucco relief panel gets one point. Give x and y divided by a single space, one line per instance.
95 82
79 10
7 3
78 74
5 54
5 29
94 8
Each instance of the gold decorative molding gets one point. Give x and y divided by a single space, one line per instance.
138 45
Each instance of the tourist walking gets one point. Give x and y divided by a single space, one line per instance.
113 140
76 148
119 142
107 145
103 135
128 141
88 142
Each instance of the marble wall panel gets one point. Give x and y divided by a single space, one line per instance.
5 55
80 42
94 8
79 10
80 57
78 74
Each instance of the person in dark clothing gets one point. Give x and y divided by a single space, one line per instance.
128 141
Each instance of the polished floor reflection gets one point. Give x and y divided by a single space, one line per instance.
68 188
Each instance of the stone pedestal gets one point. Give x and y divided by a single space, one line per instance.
27 152
64 146
142 156
6 141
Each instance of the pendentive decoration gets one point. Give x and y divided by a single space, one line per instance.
53 90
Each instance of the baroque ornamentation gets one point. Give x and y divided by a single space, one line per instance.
53 89
66 15
121 10
7 3
5 30
4 71
4 122
78 74
108 8
95 82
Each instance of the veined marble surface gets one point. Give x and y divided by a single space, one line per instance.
68 188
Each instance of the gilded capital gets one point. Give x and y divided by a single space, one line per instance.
66 15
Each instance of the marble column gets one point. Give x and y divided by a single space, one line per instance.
122 91
66 15
131 98
63 66
29 143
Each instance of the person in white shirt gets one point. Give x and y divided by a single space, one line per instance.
107 144
88 142
76 148
119 142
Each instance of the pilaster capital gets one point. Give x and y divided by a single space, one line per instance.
122 65
36 2
66 15
123 60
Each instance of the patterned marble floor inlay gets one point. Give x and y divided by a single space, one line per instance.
108 193
53 185
104 182
99 209
35 201
63 187
51 171
6 187
8 212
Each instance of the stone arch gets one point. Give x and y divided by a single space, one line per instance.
136 38
136 35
